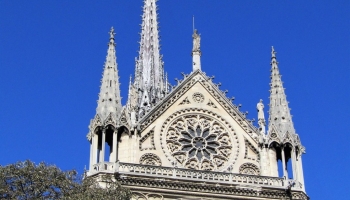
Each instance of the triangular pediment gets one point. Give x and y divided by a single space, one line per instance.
96 122
124 119
110 120
198 91
273 135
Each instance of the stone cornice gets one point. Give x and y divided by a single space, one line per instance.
205 189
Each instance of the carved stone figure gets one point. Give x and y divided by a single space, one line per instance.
196 41
260 107
261 117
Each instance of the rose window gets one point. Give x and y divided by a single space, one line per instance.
199 142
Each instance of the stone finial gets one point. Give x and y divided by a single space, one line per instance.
273 52
111 33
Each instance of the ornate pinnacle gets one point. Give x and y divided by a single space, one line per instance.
109 102
149 69
111 33
273 52
280 116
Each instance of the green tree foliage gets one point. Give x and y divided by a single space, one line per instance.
25 180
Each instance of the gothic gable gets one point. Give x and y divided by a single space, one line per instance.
214 98
124 119
197 127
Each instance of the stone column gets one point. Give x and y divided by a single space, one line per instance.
115 146
91 152
94 148
300 172
102 152
285 172
294 164
273 162
264 162
196 60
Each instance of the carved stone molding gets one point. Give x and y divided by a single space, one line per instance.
150 136
198 97
124 119
250 148
199 139
96 122
150 159
185 101
234 112
169 187
211 104
249 168
146 196
199 77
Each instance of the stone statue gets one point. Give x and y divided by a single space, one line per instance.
261 117
196 41
260 107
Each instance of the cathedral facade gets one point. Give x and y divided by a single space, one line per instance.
189 141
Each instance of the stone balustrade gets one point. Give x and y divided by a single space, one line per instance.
192 175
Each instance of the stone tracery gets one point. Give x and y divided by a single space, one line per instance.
150 159
198 141
249 168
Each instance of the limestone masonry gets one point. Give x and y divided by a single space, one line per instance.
190 141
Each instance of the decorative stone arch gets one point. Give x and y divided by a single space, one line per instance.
123 129
149 196
249 169
150 159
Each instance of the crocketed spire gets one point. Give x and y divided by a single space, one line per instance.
280 118
149 82
109 102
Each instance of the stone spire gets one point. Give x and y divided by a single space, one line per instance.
196 51
279 113
109 102
149 71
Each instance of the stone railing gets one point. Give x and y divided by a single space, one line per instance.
108 167
192 175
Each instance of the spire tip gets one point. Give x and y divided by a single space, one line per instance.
273 52
111 33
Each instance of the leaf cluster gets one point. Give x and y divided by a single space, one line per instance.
25 180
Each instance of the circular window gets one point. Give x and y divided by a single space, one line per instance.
199 141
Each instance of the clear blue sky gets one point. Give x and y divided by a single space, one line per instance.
52 55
